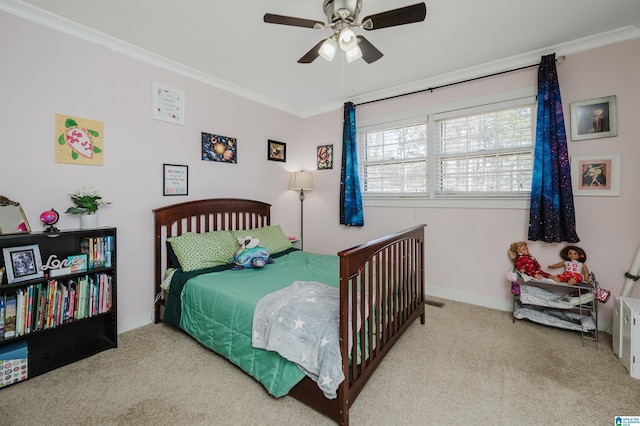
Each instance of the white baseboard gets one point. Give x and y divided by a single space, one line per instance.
139 321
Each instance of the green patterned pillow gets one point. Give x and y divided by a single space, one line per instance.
206 250
271 237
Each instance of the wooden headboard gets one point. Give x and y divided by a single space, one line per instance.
202 216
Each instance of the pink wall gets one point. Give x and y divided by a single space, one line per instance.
467 248
47 72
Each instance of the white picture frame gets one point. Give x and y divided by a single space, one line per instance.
596 175
167 103
594 119
22 263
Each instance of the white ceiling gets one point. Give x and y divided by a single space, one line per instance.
227 44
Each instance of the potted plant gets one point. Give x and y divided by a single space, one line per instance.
87 201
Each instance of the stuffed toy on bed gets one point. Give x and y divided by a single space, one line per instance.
250 254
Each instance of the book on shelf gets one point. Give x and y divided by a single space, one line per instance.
1 316
78 263
10 316
20 312
29 318
38 308
72 285
99 251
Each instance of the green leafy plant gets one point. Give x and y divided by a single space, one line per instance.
87 201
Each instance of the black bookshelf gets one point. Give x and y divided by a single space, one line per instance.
73 333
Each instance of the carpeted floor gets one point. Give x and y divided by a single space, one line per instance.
466 365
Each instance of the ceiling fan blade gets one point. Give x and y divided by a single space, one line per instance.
311 55
369 52
392 18
270 18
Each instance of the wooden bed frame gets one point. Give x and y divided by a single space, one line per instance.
391 268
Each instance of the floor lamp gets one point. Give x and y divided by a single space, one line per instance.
301 181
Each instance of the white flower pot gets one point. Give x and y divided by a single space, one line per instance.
89 221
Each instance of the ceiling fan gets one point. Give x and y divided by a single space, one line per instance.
342 18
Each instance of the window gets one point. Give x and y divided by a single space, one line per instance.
396 160
478 152
485 154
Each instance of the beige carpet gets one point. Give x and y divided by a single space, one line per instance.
466 365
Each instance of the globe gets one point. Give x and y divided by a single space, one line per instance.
49 218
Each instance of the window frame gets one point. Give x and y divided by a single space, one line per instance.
430 116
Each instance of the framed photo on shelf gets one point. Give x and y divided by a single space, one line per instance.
175 179
593 119
596 175
276 151
22 263
168 104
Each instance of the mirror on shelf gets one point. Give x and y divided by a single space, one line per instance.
12 218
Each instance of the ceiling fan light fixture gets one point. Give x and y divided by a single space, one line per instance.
347 39
353 54
328 49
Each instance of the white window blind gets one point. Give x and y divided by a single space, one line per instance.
478 151
394 160
487 154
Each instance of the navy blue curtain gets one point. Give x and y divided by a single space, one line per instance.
351 213
552 214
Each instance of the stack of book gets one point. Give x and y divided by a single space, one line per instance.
99 251
46 305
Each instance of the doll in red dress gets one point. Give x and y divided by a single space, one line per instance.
525 263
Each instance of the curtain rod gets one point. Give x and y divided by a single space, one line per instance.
559 60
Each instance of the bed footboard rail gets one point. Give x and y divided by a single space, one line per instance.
381 294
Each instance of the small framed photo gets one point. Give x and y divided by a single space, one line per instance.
596 175
168 104
325 157
593 119
175 179
22 263
276 151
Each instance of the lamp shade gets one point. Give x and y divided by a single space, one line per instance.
353 54
347 39
328 49
301 181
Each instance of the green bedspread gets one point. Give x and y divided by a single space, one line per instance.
217 310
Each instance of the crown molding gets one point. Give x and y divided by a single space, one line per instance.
525 59
55 22
82 32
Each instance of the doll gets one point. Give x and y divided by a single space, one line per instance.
575 270
525 263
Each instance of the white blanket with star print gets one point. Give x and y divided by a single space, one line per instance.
301 322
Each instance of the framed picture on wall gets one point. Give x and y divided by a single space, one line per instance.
217 148
276 151
596 175
175 179
325 157
168 104
595 118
